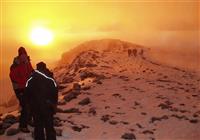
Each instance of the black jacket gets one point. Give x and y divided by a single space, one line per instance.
41 91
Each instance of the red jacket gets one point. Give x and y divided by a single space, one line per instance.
19 74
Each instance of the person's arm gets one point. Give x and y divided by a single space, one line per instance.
30 68
54 94
14 76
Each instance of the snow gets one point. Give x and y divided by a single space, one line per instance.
132 94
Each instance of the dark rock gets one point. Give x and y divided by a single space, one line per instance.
62 102
10 119
84 126
183 111
128 136
76 86
132 129
67 91
164 106
99 82
153 119
87 74
92 111
59 110
12 131
72 95
105 118
179 117
72 110
125 123
67 80
57 122
195 115
113 122
6 125
168 102
60 87
85 101
58 132
76 128
2 131
117 95
182 104
98 79
91 65
194 121
21 138
143 113
139 126
147 132
1 124
86 87
106 107
136 103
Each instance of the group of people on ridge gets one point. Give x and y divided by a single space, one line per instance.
37 93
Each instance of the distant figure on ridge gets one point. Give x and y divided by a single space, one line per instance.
42 93
20 71
132 52
129 52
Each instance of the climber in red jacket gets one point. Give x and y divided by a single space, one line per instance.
20 71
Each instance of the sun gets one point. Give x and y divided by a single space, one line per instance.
41 36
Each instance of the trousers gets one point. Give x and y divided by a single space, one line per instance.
24 113
44 128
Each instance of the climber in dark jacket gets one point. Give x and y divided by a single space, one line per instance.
42 94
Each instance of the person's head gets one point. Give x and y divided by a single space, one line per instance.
22 51
41 66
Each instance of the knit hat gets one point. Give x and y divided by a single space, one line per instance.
21 51
41 66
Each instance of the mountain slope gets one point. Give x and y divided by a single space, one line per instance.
113 90
135 95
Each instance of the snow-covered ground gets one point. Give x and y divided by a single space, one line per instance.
119 94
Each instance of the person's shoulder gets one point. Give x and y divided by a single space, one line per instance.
16 60
15 63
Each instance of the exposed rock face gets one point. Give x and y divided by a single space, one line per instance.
80 61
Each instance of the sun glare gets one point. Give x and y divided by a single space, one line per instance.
41 36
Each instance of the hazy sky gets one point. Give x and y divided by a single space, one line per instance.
150 23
